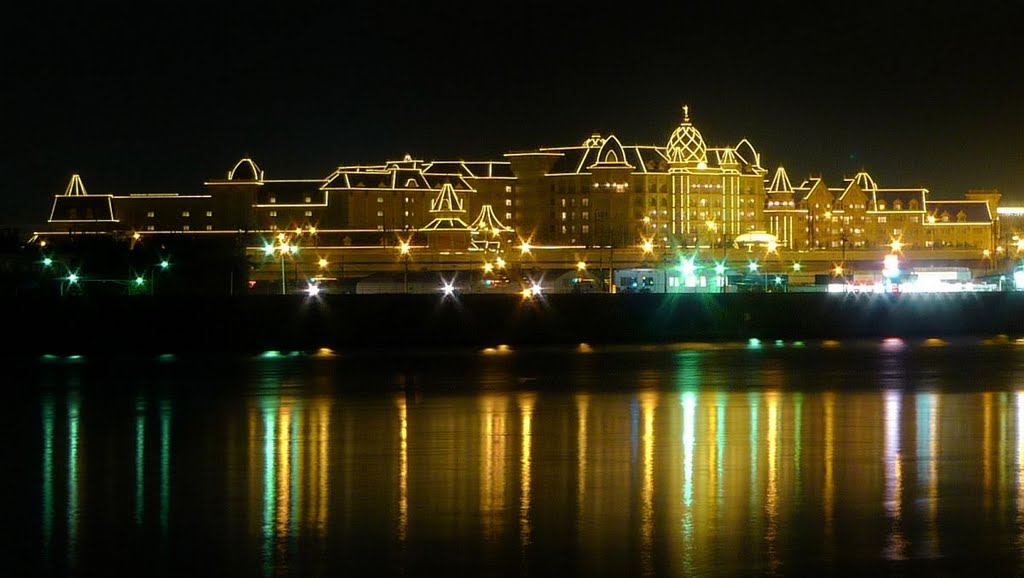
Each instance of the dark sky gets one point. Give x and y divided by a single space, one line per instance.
160 98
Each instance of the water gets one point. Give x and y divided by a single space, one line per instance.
766 458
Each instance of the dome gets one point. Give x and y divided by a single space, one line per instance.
245 170
686 145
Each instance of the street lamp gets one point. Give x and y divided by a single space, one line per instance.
404 248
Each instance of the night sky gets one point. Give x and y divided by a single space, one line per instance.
160 99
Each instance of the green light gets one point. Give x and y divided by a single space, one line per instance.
796 266
754 343
270 354
140 281
778 280
268 249
73 278
753 267
720 269
165 264
47 262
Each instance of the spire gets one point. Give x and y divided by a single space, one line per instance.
686 113
447 201
75 187
780 183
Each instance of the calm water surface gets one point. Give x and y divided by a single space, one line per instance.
847 458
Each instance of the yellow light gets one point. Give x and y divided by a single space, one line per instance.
488 267
525 247
312 230
896 245
500 263
526 293
712 226
773 247
1000 249
986 253
828 214
136 235
322 262
286 248
1020 245
298 230
931 219
581 266
404 248
647 246
647 220
838 270
280 237
42 243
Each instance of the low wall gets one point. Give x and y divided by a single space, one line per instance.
143 324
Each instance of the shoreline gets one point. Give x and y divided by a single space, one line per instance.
253 324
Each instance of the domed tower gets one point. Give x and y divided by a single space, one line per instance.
686 148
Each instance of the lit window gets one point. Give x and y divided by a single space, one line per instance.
209 213
273 199
380 199
309 213
184 228
585 202
881 219
508 202
508 188
309 199
186 214
273 213
508 216
150 228
563 215
150 214
585 229
209 227
380 213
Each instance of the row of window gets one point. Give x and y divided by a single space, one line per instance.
152 214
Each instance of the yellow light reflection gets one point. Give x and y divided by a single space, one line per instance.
284 463
927 469
1020 466
829 490
403 469
582 401
986 449
525 401
648 402
896 544
772 497
494 432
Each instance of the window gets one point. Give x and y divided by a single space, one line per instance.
585 202
150 214
209 213
186 214
508 202
273 199
508 216
380 199
309 199
380 213
184 227
209 227
882 219
563 201
586 215
563 215
150 228
585 229
273 213
508 188
309 213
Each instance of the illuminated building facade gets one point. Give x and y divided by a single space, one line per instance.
599 193
862 214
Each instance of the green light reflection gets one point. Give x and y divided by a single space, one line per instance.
165 464
72 518
140 446
269 468
48 424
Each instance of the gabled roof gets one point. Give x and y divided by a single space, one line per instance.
973 211
780 182
888 199
487 221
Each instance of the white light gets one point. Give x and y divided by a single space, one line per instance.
313 290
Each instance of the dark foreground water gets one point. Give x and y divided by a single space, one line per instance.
789 458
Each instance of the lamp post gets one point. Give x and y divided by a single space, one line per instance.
403 249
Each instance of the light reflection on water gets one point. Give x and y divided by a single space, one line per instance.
631 462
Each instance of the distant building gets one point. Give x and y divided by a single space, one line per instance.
597 193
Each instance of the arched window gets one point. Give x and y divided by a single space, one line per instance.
611 157
913 204
411 184
897 205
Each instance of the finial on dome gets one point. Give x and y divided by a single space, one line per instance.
686 113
